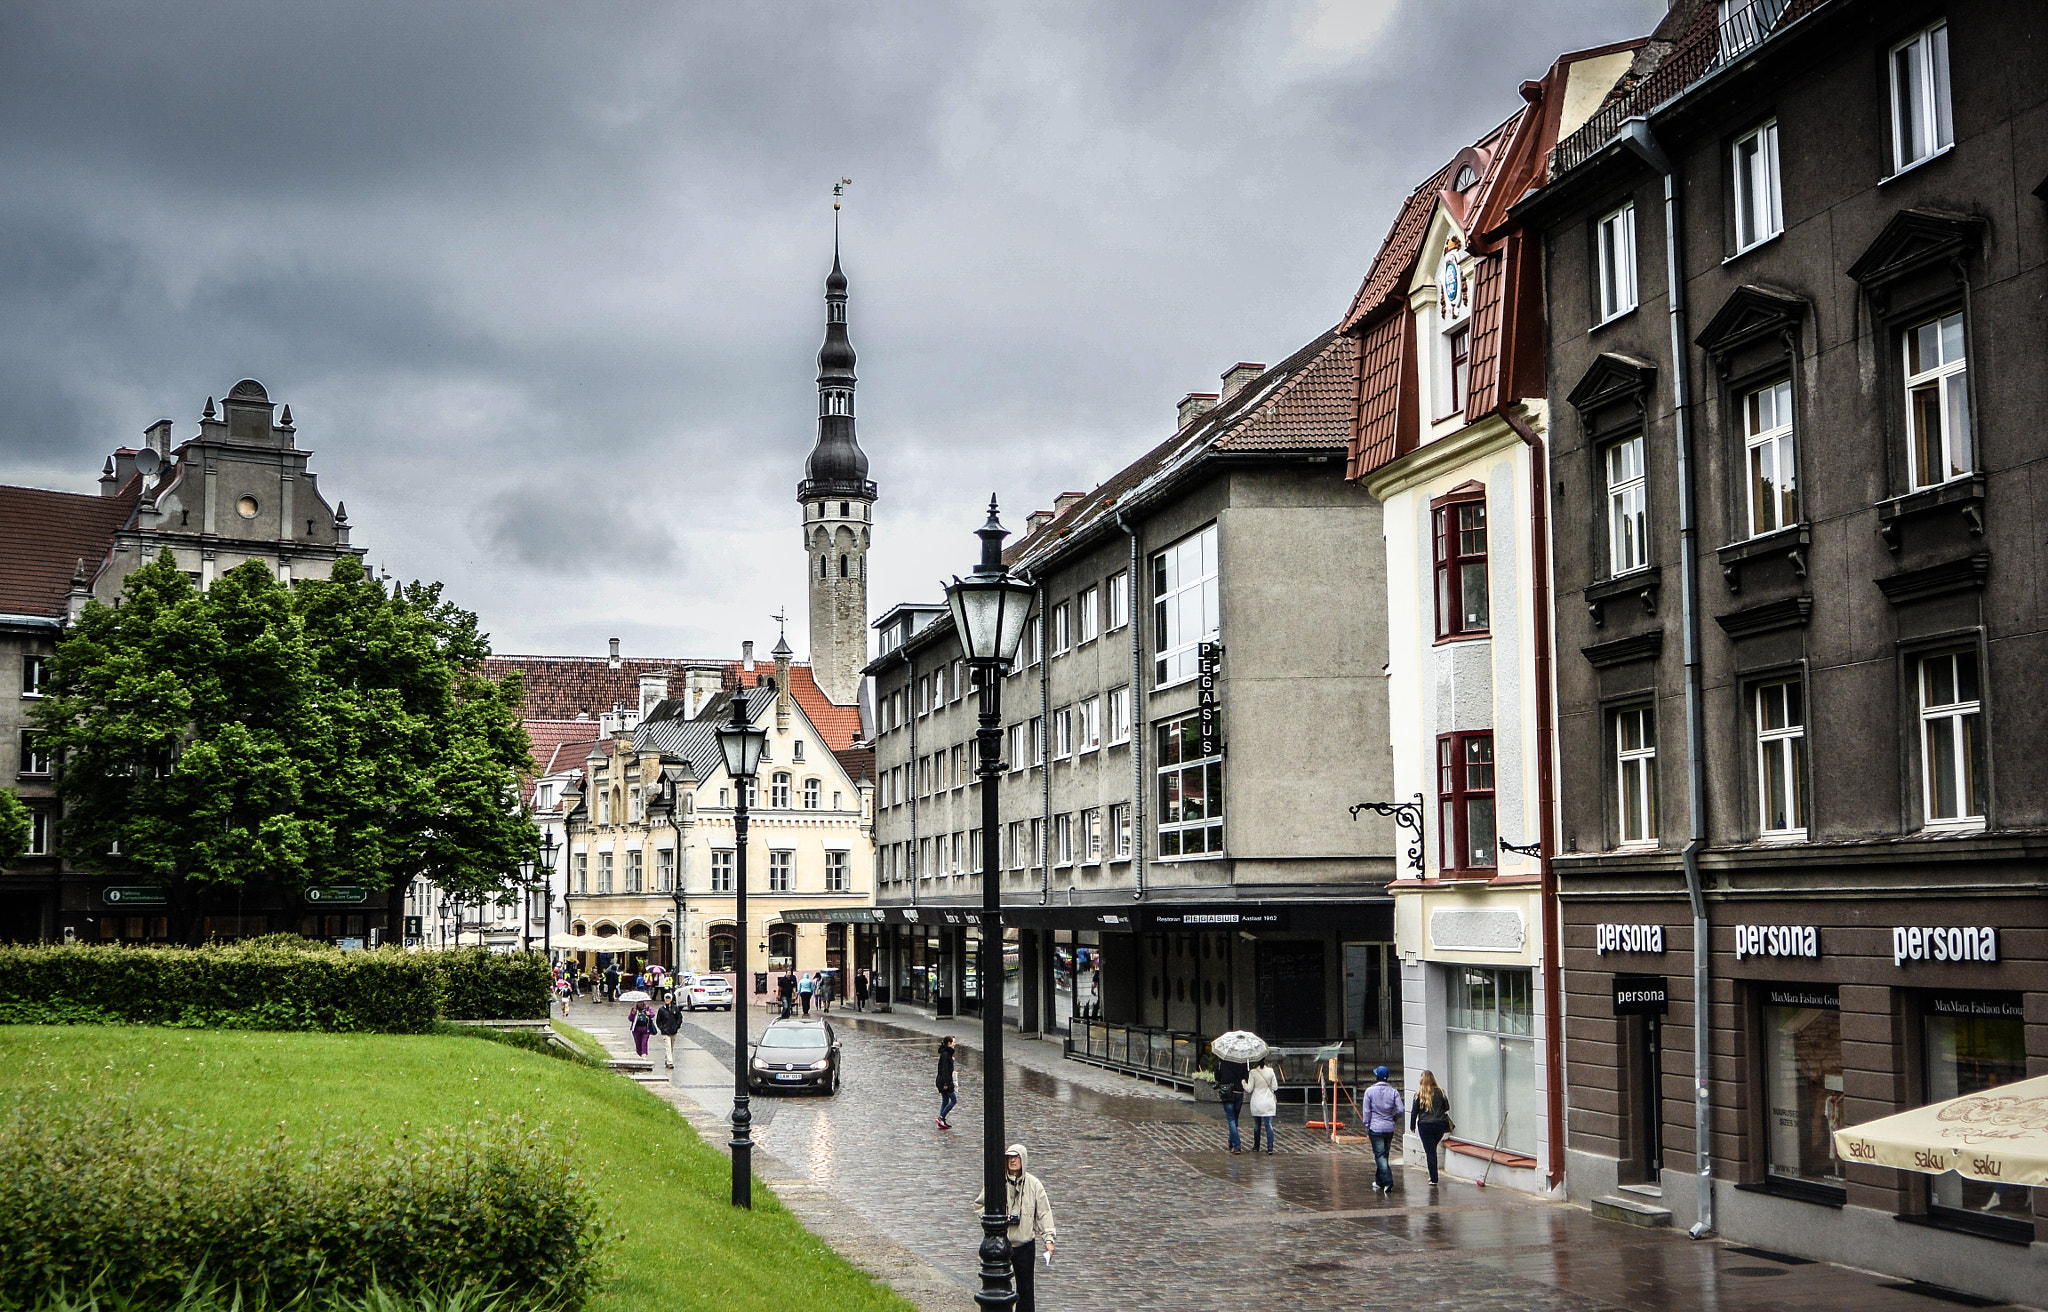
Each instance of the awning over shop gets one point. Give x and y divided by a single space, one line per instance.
1999 1135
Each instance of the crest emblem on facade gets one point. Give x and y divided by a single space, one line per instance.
1453 293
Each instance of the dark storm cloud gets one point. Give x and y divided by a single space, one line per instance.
541 282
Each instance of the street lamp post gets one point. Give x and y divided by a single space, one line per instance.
741 743
989 610
547 902
526 865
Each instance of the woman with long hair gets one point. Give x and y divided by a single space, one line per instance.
1430 1117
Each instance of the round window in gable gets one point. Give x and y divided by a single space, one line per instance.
246 507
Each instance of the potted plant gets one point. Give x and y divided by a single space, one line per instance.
1205 1086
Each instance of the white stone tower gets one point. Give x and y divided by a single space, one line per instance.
838 505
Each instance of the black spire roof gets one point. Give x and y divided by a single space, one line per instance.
837 466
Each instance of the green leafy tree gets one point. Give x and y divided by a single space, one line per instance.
325 733
14 822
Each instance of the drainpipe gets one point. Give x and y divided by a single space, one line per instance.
1546 786
910 698
1636 137
1138 725
1045 767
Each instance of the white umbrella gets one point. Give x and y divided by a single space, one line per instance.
1239 1045
635 995
1999 1135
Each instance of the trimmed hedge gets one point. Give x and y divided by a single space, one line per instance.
480 985
274 983
97 1195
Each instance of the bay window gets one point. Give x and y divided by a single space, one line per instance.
1184 605
1462 606
1465 809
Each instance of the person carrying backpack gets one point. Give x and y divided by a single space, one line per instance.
669 1020
641 1022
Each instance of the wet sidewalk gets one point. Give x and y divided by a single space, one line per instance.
1153 1214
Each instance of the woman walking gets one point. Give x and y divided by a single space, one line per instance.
1262 1100
1430 1117
641 1022
949 1094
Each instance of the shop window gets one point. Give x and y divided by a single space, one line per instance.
1921 125
1190 791
1781 758
1952 739
1773 480
1490 1028
781 948
1464 774
1938 401
1970 1043
1462 606
1802 1042
1184 605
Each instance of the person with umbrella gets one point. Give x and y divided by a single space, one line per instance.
1235 1052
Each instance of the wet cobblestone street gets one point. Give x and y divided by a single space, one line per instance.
1154 1214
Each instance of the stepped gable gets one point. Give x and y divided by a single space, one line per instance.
559 688
43 536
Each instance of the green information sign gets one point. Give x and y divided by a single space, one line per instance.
340 895
134 895
413 926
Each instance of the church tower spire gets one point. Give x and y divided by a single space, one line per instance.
838 508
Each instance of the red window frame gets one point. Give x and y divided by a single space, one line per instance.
1461 368
1465 782
1458 531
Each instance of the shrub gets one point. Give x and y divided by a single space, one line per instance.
98 1196
480 985
262 984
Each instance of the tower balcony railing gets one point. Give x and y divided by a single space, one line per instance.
1715 44
832 487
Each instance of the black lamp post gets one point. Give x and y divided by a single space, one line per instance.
526 866
989 610
547 902
742 743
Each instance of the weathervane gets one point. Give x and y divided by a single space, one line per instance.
781 618
839 189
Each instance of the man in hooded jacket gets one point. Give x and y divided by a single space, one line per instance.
1030 1219
668 1020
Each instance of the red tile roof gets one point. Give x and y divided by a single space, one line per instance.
1388 346
1313 408
858 762
1487 284
1388 278
561 687
43 536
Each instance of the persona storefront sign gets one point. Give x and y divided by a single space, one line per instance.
1627 938
1640 995
1938 943
1776 941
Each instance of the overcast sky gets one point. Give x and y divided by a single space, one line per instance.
542 282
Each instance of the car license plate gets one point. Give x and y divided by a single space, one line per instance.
789 1075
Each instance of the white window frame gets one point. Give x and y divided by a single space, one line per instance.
1954 728
1118 712
1948 378
1063 733
1120 831
1063 839
1017 762
1091 836
1614 239
1089 604
38 832
837 867
636 871
1188 572
813 794
1759 195
1119 601
583 874
1178 763
1920 75
782 871
604 873
1781 760
778 791
1635 775
665 869
1038 740
1089 730
723 864
35 759
35 673
1769 453
1628 506
1062 628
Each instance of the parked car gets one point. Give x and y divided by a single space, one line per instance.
795 1054
712 991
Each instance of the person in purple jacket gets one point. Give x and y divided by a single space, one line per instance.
1382 1123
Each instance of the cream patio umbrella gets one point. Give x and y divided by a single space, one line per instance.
1999 1135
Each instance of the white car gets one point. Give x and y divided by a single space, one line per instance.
712 991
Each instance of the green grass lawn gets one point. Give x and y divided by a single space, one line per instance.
684 1244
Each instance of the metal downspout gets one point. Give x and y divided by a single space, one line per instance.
1638 139
1546 786
1138 726
910 696
1044 766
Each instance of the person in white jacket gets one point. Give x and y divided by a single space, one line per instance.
1030 1220
1262 1101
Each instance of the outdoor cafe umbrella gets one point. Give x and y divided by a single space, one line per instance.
1239 1045
1999 1135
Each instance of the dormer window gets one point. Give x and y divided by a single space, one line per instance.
1466 179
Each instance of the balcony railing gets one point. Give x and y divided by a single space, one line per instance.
1735 31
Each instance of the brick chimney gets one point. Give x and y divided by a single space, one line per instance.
1064 501
1037 520
1194 405
1237 375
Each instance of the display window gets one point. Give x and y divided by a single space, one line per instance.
1489 1029
1971 1042
1802 1033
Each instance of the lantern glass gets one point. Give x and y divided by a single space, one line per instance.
989 613
741 742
